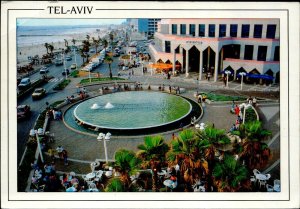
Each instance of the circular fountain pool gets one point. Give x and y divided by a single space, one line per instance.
134 111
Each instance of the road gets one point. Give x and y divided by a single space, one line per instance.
38 106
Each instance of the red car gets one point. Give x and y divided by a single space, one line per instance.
23 111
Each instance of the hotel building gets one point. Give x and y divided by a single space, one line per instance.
199 46
148 26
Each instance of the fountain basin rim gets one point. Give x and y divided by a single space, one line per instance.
135 128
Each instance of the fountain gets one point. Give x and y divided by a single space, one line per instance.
134 112
108 105
95 106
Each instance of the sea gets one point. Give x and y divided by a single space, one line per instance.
33 35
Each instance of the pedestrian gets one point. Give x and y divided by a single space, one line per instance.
132 72
208 76
59 150
232 107
254 101
170 89
65 156
51 154
237 110
178 89
224 80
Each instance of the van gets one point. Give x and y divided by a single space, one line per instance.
25 83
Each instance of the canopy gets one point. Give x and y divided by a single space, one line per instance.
259 76
162 66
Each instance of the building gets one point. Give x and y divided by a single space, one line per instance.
199 46
133 23
148 26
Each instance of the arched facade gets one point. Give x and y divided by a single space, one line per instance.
212 45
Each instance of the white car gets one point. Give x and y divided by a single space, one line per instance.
44 70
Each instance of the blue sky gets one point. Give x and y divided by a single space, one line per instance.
45 22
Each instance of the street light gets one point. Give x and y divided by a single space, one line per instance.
227 73
36 133
242 74
245 106
105 138
63 54
74 50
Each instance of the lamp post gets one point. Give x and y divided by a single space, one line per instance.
227 74
75 57
244 113
242 74
36 133
104 137
63 54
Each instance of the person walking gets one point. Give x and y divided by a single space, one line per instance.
65 156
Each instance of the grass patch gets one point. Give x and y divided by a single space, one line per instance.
54 104
62 84
218 97
74 74
87 80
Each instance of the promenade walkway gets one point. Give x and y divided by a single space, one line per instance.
84 149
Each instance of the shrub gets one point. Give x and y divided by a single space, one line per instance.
87 80
250 115
62 84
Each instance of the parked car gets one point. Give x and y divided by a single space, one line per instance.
68 58
44 70
25 83
73 66
38 93
23 111
65 71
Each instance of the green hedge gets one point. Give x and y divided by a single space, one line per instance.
87 80
74 74
217 97
62 84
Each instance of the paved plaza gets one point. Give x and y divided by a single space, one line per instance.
84 148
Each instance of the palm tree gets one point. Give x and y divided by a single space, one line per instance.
152 153
66 43
105 44
73 41
51 48
126 163
211 140
47 47
111 37
185 152
254 152
96 43
115 185
109 60
229 174
82 54
86 48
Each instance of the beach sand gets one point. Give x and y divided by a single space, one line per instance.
23 52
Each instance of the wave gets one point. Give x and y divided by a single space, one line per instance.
36 35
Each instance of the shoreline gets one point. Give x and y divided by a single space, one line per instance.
23 52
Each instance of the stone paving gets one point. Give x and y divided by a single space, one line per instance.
84 149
